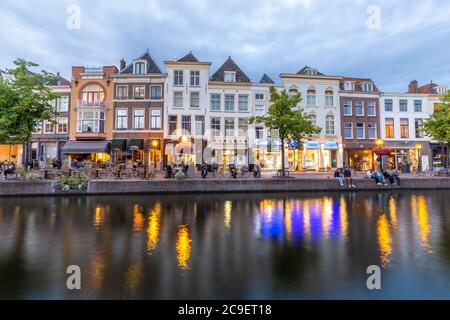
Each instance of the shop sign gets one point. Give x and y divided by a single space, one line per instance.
331 145
312 145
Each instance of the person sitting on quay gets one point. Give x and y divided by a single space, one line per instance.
338 177
379 178
348 177
11 169
169 171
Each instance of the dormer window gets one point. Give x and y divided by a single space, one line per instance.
349 86
367 87
229 76
311 72
139 67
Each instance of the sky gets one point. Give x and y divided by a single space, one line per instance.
391 42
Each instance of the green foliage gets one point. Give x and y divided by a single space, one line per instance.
66 183
32 176
25 101
21 172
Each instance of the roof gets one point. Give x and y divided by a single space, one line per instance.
306 68
358 82
230 65
188 58
152 67
428 88
266 79
61 81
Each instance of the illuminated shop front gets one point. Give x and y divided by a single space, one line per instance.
362 160
412 154
322 155
94 151
181 151
267 153
11 153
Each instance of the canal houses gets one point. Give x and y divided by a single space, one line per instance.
320 95
360 121
138 103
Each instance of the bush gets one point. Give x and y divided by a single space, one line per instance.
32 176
21 172
66 183
180 176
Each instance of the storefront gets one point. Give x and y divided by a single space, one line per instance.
408 154
154 148
136 149
439 155
119 151
267 153
11 153
94 151
322 155
362 160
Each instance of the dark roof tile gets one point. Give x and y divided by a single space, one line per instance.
266 79
152 66
230 65
306 68
188 58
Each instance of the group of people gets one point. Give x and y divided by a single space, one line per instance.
344 177
8 168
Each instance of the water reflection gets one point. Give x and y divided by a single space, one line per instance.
384 239
183 247
227 207
154 225
138 218
420 212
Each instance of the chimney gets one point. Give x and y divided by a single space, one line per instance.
413 86
123 64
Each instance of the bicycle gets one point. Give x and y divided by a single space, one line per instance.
423 173
244 173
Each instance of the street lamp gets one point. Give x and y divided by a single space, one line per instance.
379 142
419 165
155 144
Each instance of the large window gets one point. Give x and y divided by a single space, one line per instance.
230 76
62 104
311 98
186 124
199 125
195 100
404 128
359 108
372 130
155 93
347 107
360 131
195 78
328 98
215 127
371 108
243 103
367 87
139 92
348 130
62 125
349 86
178 99
173 125
138 119
259 96
215 102
155 119
388 105
178 77
93 94
243 127
389 128
418 125
122 93
229 127
49 127
90 121
329 125
417 105
259 109
403 105
229 103
139 67
313 119
121 119
259 133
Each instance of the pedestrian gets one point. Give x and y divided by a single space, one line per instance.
338 177
348 177
396 176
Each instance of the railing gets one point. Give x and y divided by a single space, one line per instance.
91 104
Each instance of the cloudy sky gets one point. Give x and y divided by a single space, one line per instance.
411 40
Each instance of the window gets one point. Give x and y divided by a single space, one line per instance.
92 95
195 100
372 128
367 87
418 125
417 105
404 128
122 93
360 131
199 125
49 127
215 102
229 127
138 119
229 76
259 132
155 92
139 68
259 110
121 119
403 105
259 96
229 103
243 103
62 104
371 108
359 108
349 86
311 98
243 127
155 119
215 127
347 108
178 99
178 77
293 92
139 92
195 78
388 105
313 119
389 128
348 130
173 124
38 129
328 98
186 124
90 121
329 124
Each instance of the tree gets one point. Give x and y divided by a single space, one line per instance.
25 101
288 119
437 125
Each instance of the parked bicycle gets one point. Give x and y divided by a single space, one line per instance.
244 172
423 173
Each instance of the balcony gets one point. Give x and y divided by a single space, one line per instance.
81 104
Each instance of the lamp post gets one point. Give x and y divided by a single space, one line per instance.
419 164
155 144
380 143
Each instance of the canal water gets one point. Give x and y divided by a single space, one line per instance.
236 246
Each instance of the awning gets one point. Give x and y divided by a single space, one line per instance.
119 144
86 147
169 149
331 145
122 154
136 144
312 145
